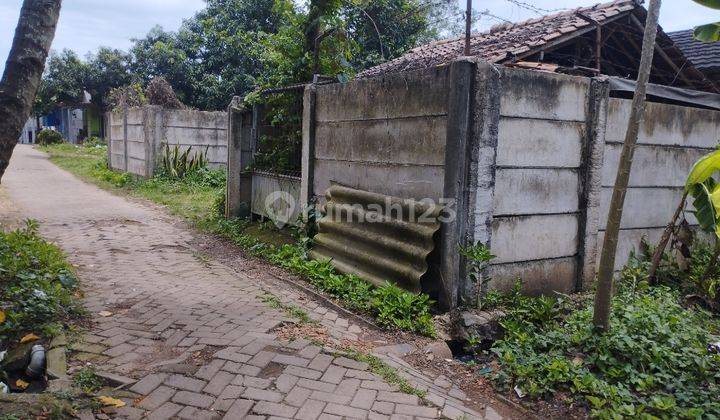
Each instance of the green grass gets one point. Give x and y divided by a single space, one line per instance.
193 199
385 371
292 310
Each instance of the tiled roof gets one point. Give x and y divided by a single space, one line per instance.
703 55
506 41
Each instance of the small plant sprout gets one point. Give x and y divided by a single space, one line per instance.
478 258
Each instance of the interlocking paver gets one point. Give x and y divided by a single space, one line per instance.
218 383
284 410
195 333
157 398
147 384
262 395
345 411
239 409
166 411
193 398
311 410
183 382
298 396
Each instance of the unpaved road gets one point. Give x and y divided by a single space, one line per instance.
196 334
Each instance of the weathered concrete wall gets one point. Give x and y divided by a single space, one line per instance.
536 218
671 139
198 129
137 136
558 146
385 135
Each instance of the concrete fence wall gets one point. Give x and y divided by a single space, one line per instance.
137 136
529 158
536 204
385 135
672 138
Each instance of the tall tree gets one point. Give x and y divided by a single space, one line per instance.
603 295
23 70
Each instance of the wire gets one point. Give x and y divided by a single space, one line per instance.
534 9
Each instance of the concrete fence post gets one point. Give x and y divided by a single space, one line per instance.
592 161
459 133
125 138
108 120
239 158
308 149
152 130
481 178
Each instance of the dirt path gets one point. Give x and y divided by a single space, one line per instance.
197 335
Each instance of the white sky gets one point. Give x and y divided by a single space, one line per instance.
86 25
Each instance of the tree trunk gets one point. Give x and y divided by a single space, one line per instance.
660 250
604 292
23 70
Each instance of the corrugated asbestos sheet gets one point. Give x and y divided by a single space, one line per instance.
377 237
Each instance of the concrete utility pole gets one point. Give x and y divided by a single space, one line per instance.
603 295
468 27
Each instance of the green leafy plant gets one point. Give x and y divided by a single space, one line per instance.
652 363
37 285
709 32
47 136
177 164
478 257
87 380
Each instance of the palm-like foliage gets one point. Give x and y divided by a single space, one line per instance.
177 164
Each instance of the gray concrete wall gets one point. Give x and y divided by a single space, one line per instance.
385 135
536 214
558 146
671 139
136 136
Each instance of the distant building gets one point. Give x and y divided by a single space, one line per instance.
705 56
601 39
29 132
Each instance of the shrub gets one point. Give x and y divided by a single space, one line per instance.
126 96
37 285
94 142
653 361
160 92
47 136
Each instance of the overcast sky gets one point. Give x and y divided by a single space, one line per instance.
86 25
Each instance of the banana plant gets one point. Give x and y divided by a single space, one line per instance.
711 31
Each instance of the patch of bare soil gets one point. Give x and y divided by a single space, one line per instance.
481 391
292 331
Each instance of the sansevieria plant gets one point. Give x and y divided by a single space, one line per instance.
177 164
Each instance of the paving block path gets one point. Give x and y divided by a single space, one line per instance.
196 336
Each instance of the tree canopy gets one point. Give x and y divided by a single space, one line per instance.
234 46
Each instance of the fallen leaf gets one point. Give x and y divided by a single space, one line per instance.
2 316
111 402
28 338
21 384
105 314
